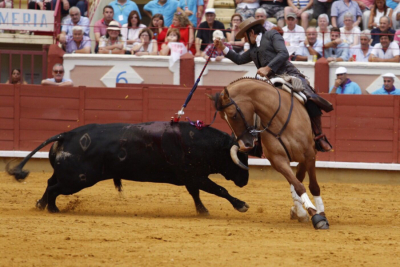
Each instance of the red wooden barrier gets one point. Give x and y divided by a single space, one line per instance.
362 128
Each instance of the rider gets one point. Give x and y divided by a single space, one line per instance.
269 54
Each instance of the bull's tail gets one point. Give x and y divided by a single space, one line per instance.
17 171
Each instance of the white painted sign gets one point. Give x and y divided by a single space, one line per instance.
121 74
26 19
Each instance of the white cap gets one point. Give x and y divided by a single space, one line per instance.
218 34
341 70
210 10
390 75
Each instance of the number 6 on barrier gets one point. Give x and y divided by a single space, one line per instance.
121 78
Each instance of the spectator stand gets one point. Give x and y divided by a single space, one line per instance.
24 44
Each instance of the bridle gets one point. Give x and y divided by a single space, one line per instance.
253 129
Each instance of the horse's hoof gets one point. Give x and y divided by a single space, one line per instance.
294 216
39 205
244 208
203 213
320 222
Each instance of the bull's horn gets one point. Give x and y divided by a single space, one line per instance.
236 160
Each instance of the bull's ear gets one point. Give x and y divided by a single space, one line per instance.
211 97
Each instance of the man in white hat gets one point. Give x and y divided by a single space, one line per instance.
344 85
269 54
388 87
206 30
216 55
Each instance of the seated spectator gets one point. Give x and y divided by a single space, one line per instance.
146 45
261 14
397 37
40 4
159 31
173 35
324 29
336 49
310 46
193 9
58 77
131 30
122 9
386 50
75 20
216 55
275 9
365 7
182 22
16 77
68 4
206 29
384 23
362 51
78 43
341 7
293 33
113 42
303 10
100 27
237 44
349 33
344 85
388 87
246 8
379 10
322 7
165 7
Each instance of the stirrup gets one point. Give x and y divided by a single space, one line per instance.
321 138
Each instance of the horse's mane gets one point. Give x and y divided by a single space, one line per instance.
249 78
217 104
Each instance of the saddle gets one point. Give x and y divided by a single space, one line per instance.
296 86
289 83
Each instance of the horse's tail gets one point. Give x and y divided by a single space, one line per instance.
17 171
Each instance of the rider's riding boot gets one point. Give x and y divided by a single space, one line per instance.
320 137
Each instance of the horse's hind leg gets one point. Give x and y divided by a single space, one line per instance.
297 212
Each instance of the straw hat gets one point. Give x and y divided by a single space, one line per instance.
247 24
114 26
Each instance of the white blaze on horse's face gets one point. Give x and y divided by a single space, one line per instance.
226 118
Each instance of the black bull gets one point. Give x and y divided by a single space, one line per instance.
158 152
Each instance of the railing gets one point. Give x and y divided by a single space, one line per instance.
30 55
362 128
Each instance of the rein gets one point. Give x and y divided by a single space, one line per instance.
252 129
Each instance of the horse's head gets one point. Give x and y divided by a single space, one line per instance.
238 112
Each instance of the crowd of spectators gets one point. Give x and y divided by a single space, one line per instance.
345 30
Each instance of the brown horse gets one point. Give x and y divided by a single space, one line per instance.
286 135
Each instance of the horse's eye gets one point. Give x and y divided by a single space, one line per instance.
234 116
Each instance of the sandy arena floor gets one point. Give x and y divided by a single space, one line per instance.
156 225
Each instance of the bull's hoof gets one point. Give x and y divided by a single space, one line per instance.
40 205
294 216
244 208
320 222
53 209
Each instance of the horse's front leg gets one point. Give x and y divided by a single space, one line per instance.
297 212
282 165
320 220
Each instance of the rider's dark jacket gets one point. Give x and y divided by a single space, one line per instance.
272 53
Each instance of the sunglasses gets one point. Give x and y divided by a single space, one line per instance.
58 71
